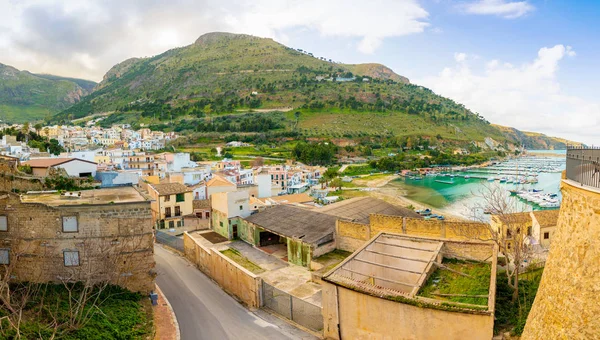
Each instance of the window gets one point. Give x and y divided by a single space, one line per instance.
180 198
241 207
71 258
167 212
171 224
3 223
167 198
546 235
221 224
4 256
69 224
207 215
177 211
178 223
528 231
85 174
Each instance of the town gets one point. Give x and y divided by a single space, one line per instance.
272 236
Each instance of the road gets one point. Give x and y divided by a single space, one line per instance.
205 311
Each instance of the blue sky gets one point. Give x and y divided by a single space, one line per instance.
525 63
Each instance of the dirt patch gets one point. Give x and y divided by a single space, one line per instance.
213 237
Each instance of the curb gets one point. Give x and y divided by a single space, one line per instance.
173 316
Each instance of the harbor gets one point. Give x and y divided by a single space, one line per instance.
532 181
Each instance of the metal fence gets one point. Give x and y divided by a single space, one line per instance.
583 166
169 240
302 312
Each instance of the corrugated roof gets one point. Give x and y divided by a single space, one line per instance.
50 162
291 221
358 209
547 218
170 188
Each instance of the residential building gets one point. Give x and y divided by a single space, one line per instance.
228 210
74 167
219 184
171 201
93 236
544 226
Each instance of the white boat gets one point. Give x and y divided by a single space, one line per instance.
491 179
467 176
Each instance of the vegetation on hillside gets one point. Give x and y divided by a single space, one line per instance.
26 97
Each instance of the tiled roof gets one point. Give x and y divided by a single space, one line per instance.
170 188
50 162
547 218
218 181
201 204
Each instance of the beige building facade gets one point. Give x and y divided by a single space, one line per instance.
99 236
171 202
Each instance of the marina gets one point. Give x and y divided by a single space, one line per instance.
532 181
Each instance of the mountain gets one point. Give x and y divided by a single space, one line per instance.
27 97
210 84
535 140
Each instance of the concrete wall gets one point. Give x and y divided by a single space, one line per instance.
114 241
566 305
233 278
350 236
362 316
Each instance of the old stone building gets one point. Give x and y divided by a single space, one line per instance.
94 236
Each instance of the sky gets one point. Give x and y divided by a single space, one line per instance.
529 64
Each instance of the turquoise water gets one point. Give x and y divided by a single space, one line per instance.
460 197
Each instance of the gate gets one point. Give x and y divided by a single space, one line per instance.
302 312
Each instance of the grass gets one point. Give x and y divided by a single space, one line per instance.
331 259
443 281
120 314
242 261
511 316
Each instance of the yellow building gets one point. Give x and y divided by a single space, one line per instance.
172 201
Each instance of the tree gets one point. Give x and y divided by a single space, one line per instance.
330 174
38 128
337 183
508 229
258 162
297 116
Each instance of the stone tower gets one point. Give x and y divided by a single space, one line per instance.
567 304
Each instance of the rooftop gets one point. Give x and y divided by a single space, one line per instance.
405 268
218 181
358 209
295 222
50 162
170 188
289 199
547 218
98 196
201 204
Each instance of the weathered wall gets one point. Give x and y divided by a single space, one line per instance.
114 241
350 236
566 305
248 232
363 316
299 253
233 278
220 223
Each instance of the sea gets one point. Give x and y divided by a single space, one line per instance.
461 197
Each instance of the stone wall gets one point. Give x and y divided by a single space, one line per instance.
350 236
114 243
348 314
233 278
566 305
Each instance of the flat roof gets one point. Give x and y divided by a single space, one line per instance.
97 196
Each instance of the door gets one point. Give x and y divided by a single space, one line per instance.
234 231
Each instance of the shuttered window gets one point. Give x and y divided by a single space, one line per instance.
4 256
71 258
70 224
3 223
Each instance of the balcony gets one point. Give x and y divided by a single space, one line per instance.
583 167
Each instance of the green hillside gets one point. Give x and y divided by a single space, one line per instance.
27 97
209 85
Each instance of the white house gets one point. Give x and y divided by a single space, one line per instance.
73 166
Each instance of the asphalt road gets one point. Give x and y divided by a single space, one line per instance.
204 311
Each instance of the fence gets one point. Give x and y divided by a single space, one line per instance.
169 240
583 166
302 312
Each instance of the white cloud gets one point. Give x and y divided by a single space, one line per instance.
53 36
460 57
502 8
528 97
